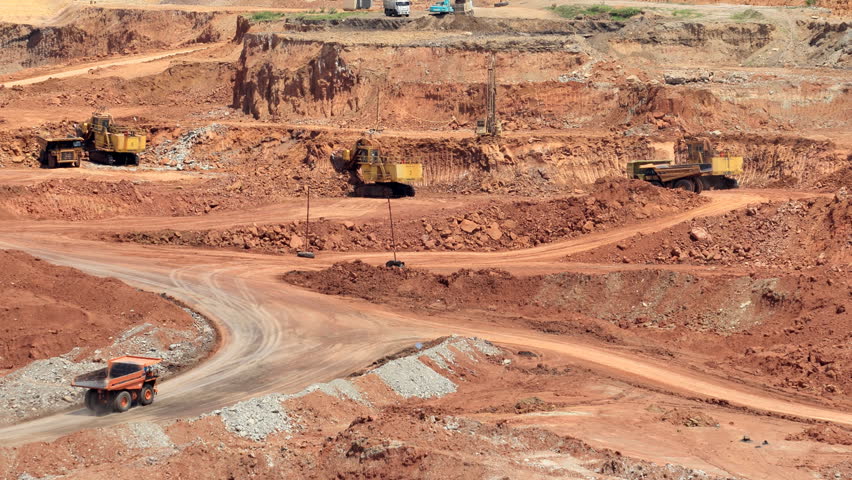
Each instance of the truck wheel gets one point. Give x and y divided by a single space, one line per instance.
121 402
685 184
146 395
656 183
92 400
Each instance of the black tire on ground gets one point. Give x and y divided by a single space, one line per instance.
121 402
146 395
51 161
656 183
92 400
685 184
373 190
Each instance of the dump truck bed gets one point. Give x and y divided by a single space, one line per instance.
96 379
143 361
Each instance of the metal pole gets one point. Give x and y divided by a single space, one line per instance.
308 221
393 237
378 104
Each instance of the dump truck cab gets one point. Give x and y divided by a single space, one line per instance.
59 152
456 7
125 380
397 8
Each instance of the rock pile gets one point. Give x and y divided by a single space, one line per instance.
792 234
494 226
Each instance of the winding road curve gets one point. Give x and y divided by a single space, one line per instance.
278 338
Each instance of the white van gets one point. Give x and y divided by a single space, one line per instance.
397 8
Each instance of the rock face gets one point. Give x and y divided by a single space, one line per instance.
108 32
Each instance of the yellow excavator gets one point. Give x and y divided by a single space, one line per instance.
110 143
375 175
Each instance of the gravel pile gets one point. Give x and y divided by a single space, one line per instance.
257 418
179 152
409 377
337 388
484 346
147 435
441 355
41 387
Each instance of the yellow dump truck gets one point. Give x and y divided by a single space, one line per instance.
710 170
110 143
58 152
375 175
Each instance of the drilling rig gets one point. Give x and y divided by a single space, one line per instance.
490 126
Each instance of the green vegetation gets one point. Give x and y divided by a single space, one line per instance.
265 16
332 14
746 15
574 11
321 14
686 13
810 3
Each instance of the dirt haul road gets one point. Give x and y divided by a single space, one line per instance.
280 338
77 70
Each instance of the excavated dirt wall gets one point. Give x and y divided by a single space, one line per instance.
568 84
802 43
676 41
281 77
836 6
95 32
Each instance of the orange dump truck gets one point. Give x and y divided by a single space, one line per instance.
125 380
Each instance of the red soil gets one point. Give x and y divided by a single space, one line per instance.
791 332
797 234
825 434
48 310
489 226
